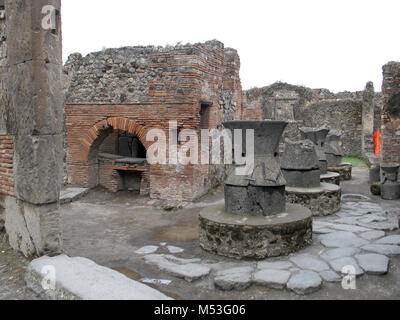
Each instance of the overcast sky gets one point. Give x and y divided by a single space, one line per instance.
339 45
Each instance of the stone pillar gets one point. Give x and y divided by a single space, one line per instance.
367 142
390 144
35 120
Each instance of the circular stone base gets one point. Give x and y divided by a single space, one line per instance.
322 201
344 169
331 177
239 237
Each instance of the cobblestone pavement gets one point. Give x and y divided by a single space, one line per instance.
12 270
113 230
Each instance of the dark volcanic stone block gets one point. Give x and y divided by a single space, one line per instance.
333 160
302 179
225 234
255 201
375 173
299 155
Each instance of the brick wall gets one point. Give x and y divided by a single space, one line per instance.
145 88
6 165
390 151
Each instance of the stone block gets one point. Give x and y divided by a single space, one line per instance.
302 178
299 155
255 201
37 168
33 230
25 16
82 279
36 99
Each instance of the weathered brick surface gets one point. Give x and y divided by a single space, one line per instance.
140 88
6 165
390 151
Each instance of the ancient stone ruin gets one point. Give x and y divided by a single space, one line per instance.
334 154
390 188
317 136
301 166
115 96
255 221
85 125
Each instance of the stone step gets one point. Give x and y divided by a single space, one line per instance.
69 195
65 278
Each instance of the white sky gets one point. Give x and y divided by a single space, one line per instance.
334 44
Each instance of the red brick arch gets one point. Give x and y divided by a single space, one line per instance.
116 123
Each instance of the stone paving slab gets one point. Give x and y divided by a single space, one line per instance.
274 265
340 263
309 262
234 279
81 278
305 282
330 276
342 239
394 239
373 263
70 194
333 254
385 249
272 278
190 272
372 235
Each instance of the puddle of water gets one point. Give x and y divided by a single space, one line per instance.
131 274
177 232
355 197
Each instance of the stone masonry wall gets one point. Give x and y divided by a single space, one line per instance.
302 106
390 148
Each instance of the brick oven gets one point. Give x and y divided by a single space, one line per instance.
114 97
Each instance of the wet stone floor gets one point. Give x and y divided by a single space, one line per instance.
161 248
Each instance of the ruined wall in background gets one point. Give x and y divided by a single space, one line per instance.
302 106
152 85
390 148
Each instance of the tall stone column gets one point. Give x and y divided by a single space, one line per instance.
367 142
35 120
390 145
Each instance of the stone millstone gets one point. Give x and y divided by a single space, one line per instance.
344 169
331 177
241 237
376 188
322 201
299 155
81 278
305 282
